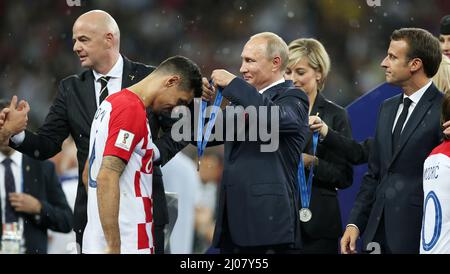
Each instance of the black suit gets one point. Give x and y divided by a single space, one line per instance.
388 208
41 182
258 201
356 153
321 233
72 113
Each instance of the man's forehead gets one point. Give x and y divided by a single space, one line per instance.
254 46
398 46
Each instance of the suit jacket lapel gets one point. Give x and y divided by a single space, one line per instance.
128 74
27 172
90 99
390 123
416 118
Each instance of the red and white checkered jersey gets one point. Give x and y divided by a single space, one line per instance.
435 236
120 129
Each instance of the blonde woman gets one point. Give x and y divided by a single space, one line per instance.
308 68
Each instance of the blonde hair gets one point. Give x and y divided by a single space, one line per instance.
442 78
317 56
275 46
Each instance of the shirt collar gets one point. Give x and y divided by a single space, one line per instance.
16 157
415 97
115 72
272 85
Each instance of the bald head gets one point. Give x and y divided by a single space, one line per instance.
99 22
96 38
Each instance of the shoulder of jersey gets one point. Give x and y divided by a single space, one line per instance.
443 148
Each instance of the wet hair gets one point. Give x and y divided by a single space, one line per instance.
191 78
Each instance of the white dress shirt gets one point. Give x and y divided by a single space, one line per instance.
115 82
415 98
272 85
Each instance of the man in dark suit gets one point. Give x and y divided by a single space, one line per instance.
388 208
258 204
96 39
31 195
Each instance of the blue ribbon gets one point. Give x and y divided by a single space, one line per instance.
305 188
203 140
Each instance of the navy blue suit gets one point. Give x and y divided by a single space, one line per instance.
389 203
258 203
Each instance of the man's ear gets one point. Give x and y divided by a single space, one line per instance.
173 80
276 62
416 64
109 37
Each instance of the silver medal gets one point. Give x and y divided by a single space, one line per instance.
305 215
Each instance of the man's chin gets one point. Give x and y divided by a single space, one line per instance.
86 64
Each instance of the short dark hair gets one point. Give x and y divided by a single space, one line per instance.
191 78
4 103
423 45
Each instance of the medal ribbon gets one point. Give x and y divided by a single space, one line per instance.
304 187
203 140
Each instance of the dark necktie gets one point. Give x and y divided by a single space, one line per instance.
399 126
104 89
10 186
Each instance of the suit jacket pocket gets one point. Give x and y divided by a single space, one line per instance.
267 189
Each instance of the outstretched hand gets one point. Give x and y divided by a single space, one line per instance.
13 119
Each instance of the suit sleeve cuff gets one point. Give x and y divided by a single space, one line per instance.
355 226
18 138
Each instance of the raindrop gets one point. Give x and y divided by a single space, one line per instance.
291 14
399 185
390 193
36 153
